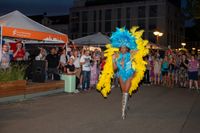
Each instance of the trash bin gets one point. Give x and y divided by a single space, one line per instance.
70 83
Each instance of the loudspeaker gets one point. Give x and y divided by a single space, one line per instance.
38 73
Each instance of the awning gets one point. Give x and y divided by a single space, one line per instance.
17 25
97 39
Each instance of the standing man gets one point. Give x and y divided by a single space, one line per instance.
5 59
42 57
53 64
85 62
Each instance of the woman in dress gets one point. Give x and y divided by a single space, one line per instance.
71 70
94 73
157 70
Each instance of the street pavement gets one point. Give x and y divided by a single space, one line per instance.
153 109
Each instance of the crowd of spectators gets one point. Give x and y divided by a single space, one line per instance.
82 63
169 68
173 68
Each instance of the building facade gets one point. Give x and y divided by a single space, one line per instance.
162 15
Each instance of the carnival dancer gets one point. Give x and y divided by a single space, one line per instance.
124 54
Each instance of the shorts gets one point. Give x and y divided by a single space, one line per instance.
193 75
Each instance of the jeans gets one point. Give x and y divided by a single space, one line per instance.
146 77
53 73
86 80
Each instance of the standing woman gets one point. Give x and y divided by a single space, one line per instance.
183 71
125 73
71 70
63 61
94 73
125 55
193 67
19 53
77 65
157 70
152 75
164 68
171 73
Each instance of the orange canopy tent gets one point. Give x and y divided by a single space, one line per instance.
17 25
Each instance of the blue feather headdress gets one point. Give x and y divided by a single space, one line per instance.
122 37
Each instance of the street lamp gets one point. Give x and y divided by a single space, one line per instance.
183 44
157 34
193 50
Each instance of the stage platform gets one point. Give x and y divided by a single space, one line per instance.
32 90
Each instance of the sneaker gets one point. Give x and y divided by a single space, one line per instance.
80 86
113 86
76 91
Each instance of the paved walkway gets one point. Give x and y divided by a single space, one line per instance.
153 110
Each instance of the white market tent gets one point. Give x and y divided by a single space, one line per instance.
97 39
156 46
17 25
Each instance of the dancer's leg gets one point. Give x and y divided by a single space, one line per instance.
122 84
126 86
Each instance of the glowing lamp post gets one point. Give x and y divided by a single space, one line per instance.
193 50
157 34
183 44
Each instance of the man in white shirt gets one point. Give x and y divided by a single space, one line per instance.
42 55
5 59
85 62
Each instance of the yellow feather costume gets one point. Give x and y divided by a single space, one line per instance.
138 64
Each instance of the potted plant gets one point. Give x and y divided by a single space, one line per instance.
12 80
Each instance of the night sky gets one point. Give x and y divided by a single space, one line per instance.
36 7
